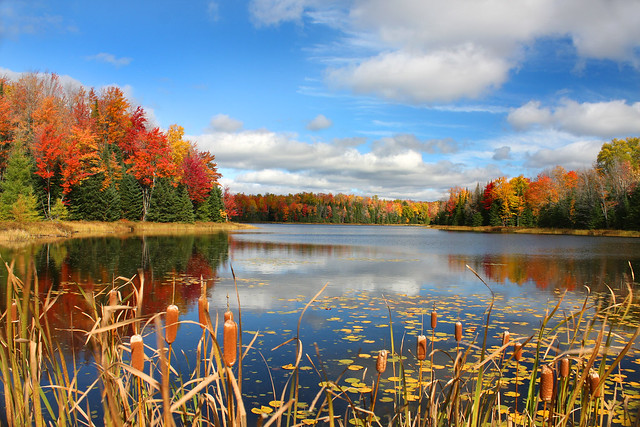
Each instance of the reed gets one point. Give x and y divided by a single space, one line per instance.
41 387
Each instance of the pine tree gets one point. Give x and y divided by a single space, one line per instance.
163 203
216 207
85 199
17 201
130 198
110 204
184 207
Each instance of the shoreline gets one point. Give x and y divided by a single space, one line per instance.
540 231
15 235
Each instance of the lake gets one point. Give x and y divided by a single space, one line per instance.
382 284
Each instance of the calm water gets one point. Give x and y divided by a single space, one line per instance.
373 273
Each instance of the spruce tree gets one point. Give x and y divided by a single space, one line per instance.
17 201
109 206
163 203
216 207
130 198
184 207
85 199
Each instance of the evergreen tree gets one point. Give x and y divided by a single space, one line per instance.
17 201
85 199
130 198
184 207
216 207
203 211
163 203
110 204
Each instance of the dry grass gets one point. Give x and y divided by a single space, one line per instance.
16 234
523 230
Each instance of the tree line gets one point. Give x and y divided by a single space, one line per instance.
71 153
606 196
327 208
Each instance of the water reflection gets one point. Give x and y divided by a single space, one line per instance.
93 265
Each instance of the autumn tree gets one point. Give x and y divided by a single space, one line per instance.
148 155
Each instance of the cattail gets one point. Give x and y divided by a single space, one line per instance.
203 311
458 332
517 351
594 379
14 311
422 347
137 352
565 366
505 337
546 384
171 323
230 339
381 363
434 319
113 297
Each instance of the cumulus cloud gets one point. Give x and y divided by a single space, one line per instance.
262 161
224 123
109 58
320 122
444 75
603 119
432 51
576 155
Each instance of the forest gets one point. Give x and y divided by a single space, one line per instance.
606 196
71 153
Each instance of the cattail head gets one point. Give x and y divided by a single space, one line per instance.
203 311
565 366
230 339
434 319
171 323
137 352
458 331
546 384
505 337
422 347
594 379
381 362
113 297
14 311
517 351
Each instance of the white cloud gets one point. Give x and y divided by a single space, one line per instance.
320 122
573 156
432 51
264 161
443 75
224 123
274 12
109 58
602 119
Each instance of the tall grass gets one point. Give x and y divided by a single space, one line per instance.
567 367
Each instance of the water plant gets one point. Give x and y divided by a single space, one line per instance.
570 368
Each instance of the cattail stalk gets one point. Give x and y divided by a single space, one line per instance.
546 389
230 339
517 355
137 362
381 366
171 323
171 327
203 312
434 323
421 352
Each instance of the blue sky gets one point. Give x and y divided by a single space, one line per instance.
400 99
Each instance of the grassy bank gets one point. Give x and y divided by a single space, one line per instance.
523 230
14 234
